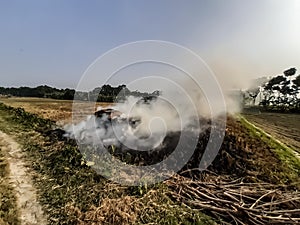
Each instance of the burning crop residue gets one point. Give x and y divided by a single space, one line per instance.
139 125
145 138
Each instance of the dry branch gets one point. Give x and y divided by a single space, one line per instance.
242 203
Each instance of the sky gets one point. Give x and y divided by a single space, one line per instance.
54 42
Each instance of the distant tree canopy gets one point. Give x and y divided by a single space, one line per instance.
106 93
280 93
275 81
290 72
43 91
297 81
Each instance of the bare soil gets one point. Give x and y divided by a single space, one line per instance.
19 178
284 127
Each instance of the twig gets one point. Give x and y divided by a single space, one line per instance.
270 192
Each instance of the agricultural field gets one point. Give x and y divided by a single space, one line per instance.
57 110
253 180
283 126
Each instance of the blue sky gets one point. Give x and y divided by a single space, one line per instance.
53 42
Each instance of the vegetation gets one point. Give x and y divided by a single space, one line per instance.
280 93
285 154
106 93
73 193
43 91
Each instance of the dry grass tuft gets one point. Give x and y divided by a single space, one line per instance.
155 207
115 211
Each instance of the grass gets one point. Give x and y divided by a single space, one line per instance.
53 109
285 154
73 193
8 209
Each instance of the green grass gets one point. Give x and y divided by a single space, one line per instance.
73 193
284 153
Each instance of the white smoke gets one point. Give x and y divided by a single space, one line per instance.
142 125
174 110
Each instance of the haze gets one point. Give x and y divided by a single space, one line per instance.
53 42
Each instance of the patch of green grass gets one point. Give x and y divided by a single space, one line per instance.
285 154
8 209
73 193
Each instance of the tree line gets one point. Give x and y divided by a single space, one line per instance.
279 93
106 93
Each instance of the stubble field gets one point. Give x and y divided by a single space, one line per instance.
57 110
253 180
283 126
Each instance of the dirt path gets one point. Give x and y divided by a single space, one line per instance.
30 210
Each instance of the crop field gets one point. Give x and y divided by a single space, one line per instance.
283 126
186 113
57 110
253 180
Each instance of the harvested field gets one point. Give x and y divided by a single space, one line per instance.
57 110
283 126
246 184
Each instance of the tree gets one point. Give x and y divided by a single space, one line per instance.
69 94
297 81
290 72
274 81
281 91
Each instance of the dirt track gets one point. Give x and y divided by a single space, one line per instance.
282 126
30 210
